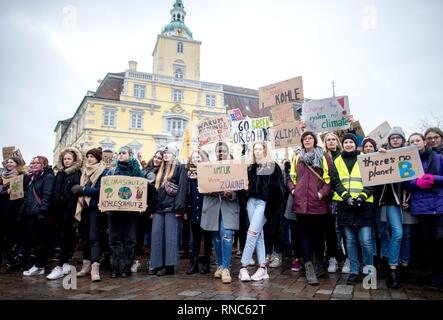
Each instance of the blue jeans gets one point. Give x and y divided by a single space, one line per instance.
382 234
255 238
364 235
223 240
405 248
395 220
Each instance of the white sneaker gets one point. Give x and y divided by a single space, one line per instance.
244 275
332 268
66 268
276 262
346 267
218 272
136 266
56 273
34 271
260 274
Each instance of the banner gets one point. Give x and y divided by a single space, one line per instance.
235 114
16 187
396 165
327 114
286 135
121 193
380 134
249 130
213 130
282 113
281 92
222 176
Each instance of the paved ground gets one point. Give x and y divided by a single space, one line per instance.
283 284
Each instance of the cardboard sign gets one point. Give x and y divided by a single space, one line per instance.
7 152
281 92
235 114
249 130
380 134
222 176
16 187
107 158
121 193
396 165
286 135
283 113
213 130
359 133
327 114
17 153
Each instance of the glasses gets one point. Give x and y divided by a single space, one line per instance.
433 138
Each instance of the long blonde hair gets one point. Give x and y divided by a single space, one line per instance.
325 147
267 153
165 172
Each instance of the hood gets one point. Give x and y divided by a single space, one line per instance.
76 166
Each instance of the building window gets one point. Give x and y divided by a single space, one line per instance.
210 100
109 118
136 120
177 95
176 126
139 90
180 47
178 74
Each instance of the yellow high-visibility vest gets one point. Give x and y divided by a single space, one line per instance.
353 182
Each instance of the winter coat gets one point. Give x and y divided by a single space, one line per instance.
428 201
44 189
94 192
177 203
151 198
307 187
194 203
216 203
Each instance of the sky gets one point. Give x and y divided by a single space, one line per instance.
385 55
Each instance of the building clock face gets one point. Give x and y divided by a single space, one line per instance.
179 31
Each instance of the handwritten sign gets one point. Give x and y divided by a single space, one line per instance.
327 114
222 176
7 152
397 165
281 92
121 193
286 135
107 158
282 113
213 130
380 134
235 114
16 187
250 130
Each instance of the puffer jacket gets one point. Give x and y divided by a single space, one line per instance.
44 189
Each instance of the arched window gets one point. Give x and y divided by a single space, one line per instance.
180 47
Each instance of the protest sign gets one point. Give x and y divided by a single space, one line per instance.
281 92
380 134
16 187
286 135
282 113
356 128
222 176
213 130
122 193
396 165
250 130
327 114
107 158
7 152
235 114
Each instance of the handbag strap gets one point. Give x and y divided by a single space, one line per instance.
37 198
314 172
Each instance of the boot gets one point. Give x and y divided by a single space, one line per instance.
86 269
95 272
319 268
393 279
311 278
194 266
16 264
205 266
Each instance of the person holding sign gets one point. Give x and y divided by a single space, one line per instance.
172 189
355 213
87 212
39 188
10 230
265 187
65 202
309 184
220 214
427 205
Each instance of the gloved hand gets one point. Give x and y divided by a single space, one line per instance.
426 181
360 201
348 199
76 189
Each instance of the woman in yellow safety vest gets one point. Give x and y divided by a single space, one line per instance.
355 201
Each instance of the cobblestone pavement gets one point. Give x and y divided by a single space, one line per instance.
282 284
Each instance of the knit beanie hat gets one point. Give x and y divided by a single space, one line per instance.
96 153
350 136
369 140
397 131
128 149
309 133
172 148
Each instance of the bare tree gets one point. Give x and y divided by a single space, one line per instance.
432 121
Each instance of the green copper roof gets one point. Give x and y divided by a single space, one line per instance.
173 25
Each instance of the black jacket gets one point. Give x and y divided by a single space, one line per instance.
65 201
177 203
44 189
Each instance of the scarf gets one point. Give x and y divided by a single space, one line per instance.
128 168
314 159
89 178
8 174
192 172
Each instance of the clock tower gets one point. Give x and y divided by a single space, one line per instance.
176 53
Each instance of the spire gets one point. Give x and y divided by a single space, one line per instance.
177 12
177 27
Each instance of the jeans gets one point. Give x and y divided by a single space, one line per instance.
382 234
122 238
395 220
405 248
364 235
255 239
223 240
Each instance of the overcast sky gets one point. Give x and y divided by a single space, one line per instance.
385 55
